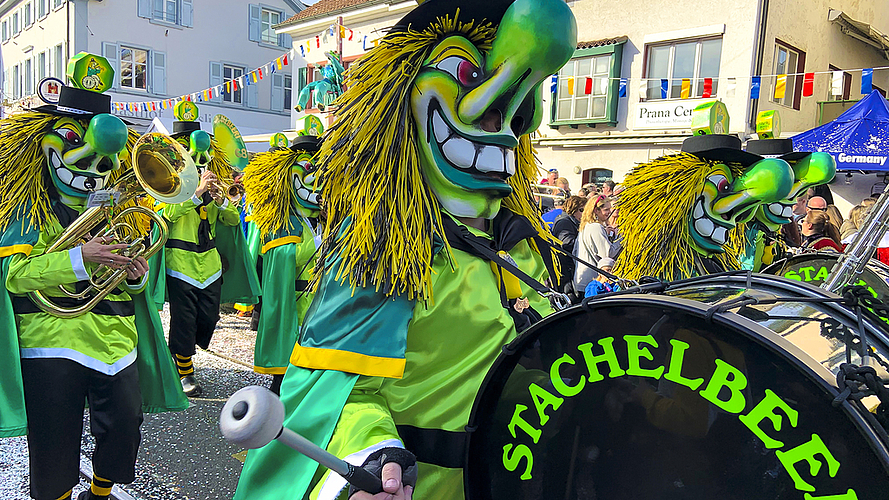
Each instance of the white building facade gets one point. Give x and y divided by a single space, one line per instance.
160 49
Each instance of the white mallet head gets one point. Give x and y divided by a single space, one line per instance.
252 417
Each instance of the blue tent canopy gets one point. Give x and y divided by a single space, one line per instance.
858 139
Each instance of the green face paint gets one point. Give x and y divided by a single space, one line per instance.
725 202
306 188
81 155
470 108
813 170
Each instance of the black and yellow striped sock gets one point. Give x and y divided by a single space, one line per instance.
184 365
66 496
100 488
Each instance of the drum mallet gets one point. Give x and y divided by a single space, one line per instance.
254 416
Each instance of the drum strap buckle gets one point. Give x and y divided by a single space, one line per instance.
558 300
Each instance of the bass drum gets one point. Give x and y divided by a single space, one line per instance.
813 268
683 391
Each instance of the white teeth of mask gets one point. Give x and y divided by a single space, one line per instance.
459 151
704 227
719 235
510 162
490 159
439 127
65 175
698 211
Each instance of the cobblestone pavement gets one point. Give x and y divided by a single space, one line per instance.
183 456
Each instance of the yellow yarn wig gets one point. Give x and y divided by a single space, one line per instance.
269 187
654 209
370 168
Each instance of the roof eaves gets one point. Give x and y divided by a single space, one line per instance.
296 19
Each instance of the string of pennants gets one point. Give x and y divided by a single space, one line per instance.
756 84
252 77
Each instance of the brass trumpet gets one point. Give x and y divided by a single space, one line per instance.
234 191
163 169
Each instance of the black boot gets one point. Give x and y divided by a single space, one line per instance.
190 387
88 495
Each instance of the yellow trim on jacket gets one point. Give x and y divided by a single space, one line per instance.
346 361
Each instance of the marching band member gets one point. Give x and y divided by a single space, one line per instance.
55 162
426 176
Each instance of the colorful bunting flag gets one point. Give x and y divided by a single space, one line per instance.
570 85
350 35
278 64
708 88
867 80
622 88
302 51
284 59
317 41
808 84
588 86
836 83
685 91
259 72
780 86
664 87
555 82
754 87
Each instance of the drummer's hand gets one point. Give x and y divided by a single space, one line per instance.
97 250
392 486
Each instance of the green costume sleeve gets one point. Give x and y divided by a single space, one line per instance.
39 272
230 215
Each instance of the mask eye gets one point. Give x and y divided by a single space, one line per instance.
308 167
722 184
466 73
69 135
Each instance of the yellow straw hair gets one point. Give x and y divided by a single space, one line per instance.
653 218
370 168
269 187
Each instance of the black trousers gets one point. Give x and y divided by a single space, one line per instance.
55 391
194 313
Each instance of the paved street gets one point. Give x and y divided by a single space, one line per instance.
183 456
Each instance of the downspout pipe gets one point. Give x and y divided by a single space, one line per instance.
759 47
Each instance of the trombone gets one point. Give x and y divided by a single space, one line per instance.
163 169
547 195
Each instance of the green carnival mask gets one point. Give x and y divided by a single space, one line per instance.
470 107
306 187
813 170
82 154
725 201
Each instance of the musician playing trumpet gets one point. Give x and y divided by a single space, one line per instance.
193 264
55 359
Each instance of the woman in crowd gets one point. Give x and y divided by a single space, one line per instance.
597 239
850 226
819 233
566 228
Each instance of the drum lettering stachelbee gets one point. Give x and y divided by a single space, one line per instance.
689 392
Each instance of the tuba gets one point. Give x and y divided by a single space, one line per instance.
161 168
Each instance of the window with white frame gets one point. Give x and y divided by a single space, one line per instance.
788 61
174 12
28 74
58 62
15 23
583 88
166 10
57 3
268 19
16 82
41 9
694 60
4 26
133 68
231 73
41 66
288 91
26 13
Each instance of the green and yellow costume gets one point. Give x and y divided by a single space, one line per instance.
281 189
430 140
52 160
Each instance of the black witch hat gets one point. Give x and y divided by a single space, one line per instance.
719 147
